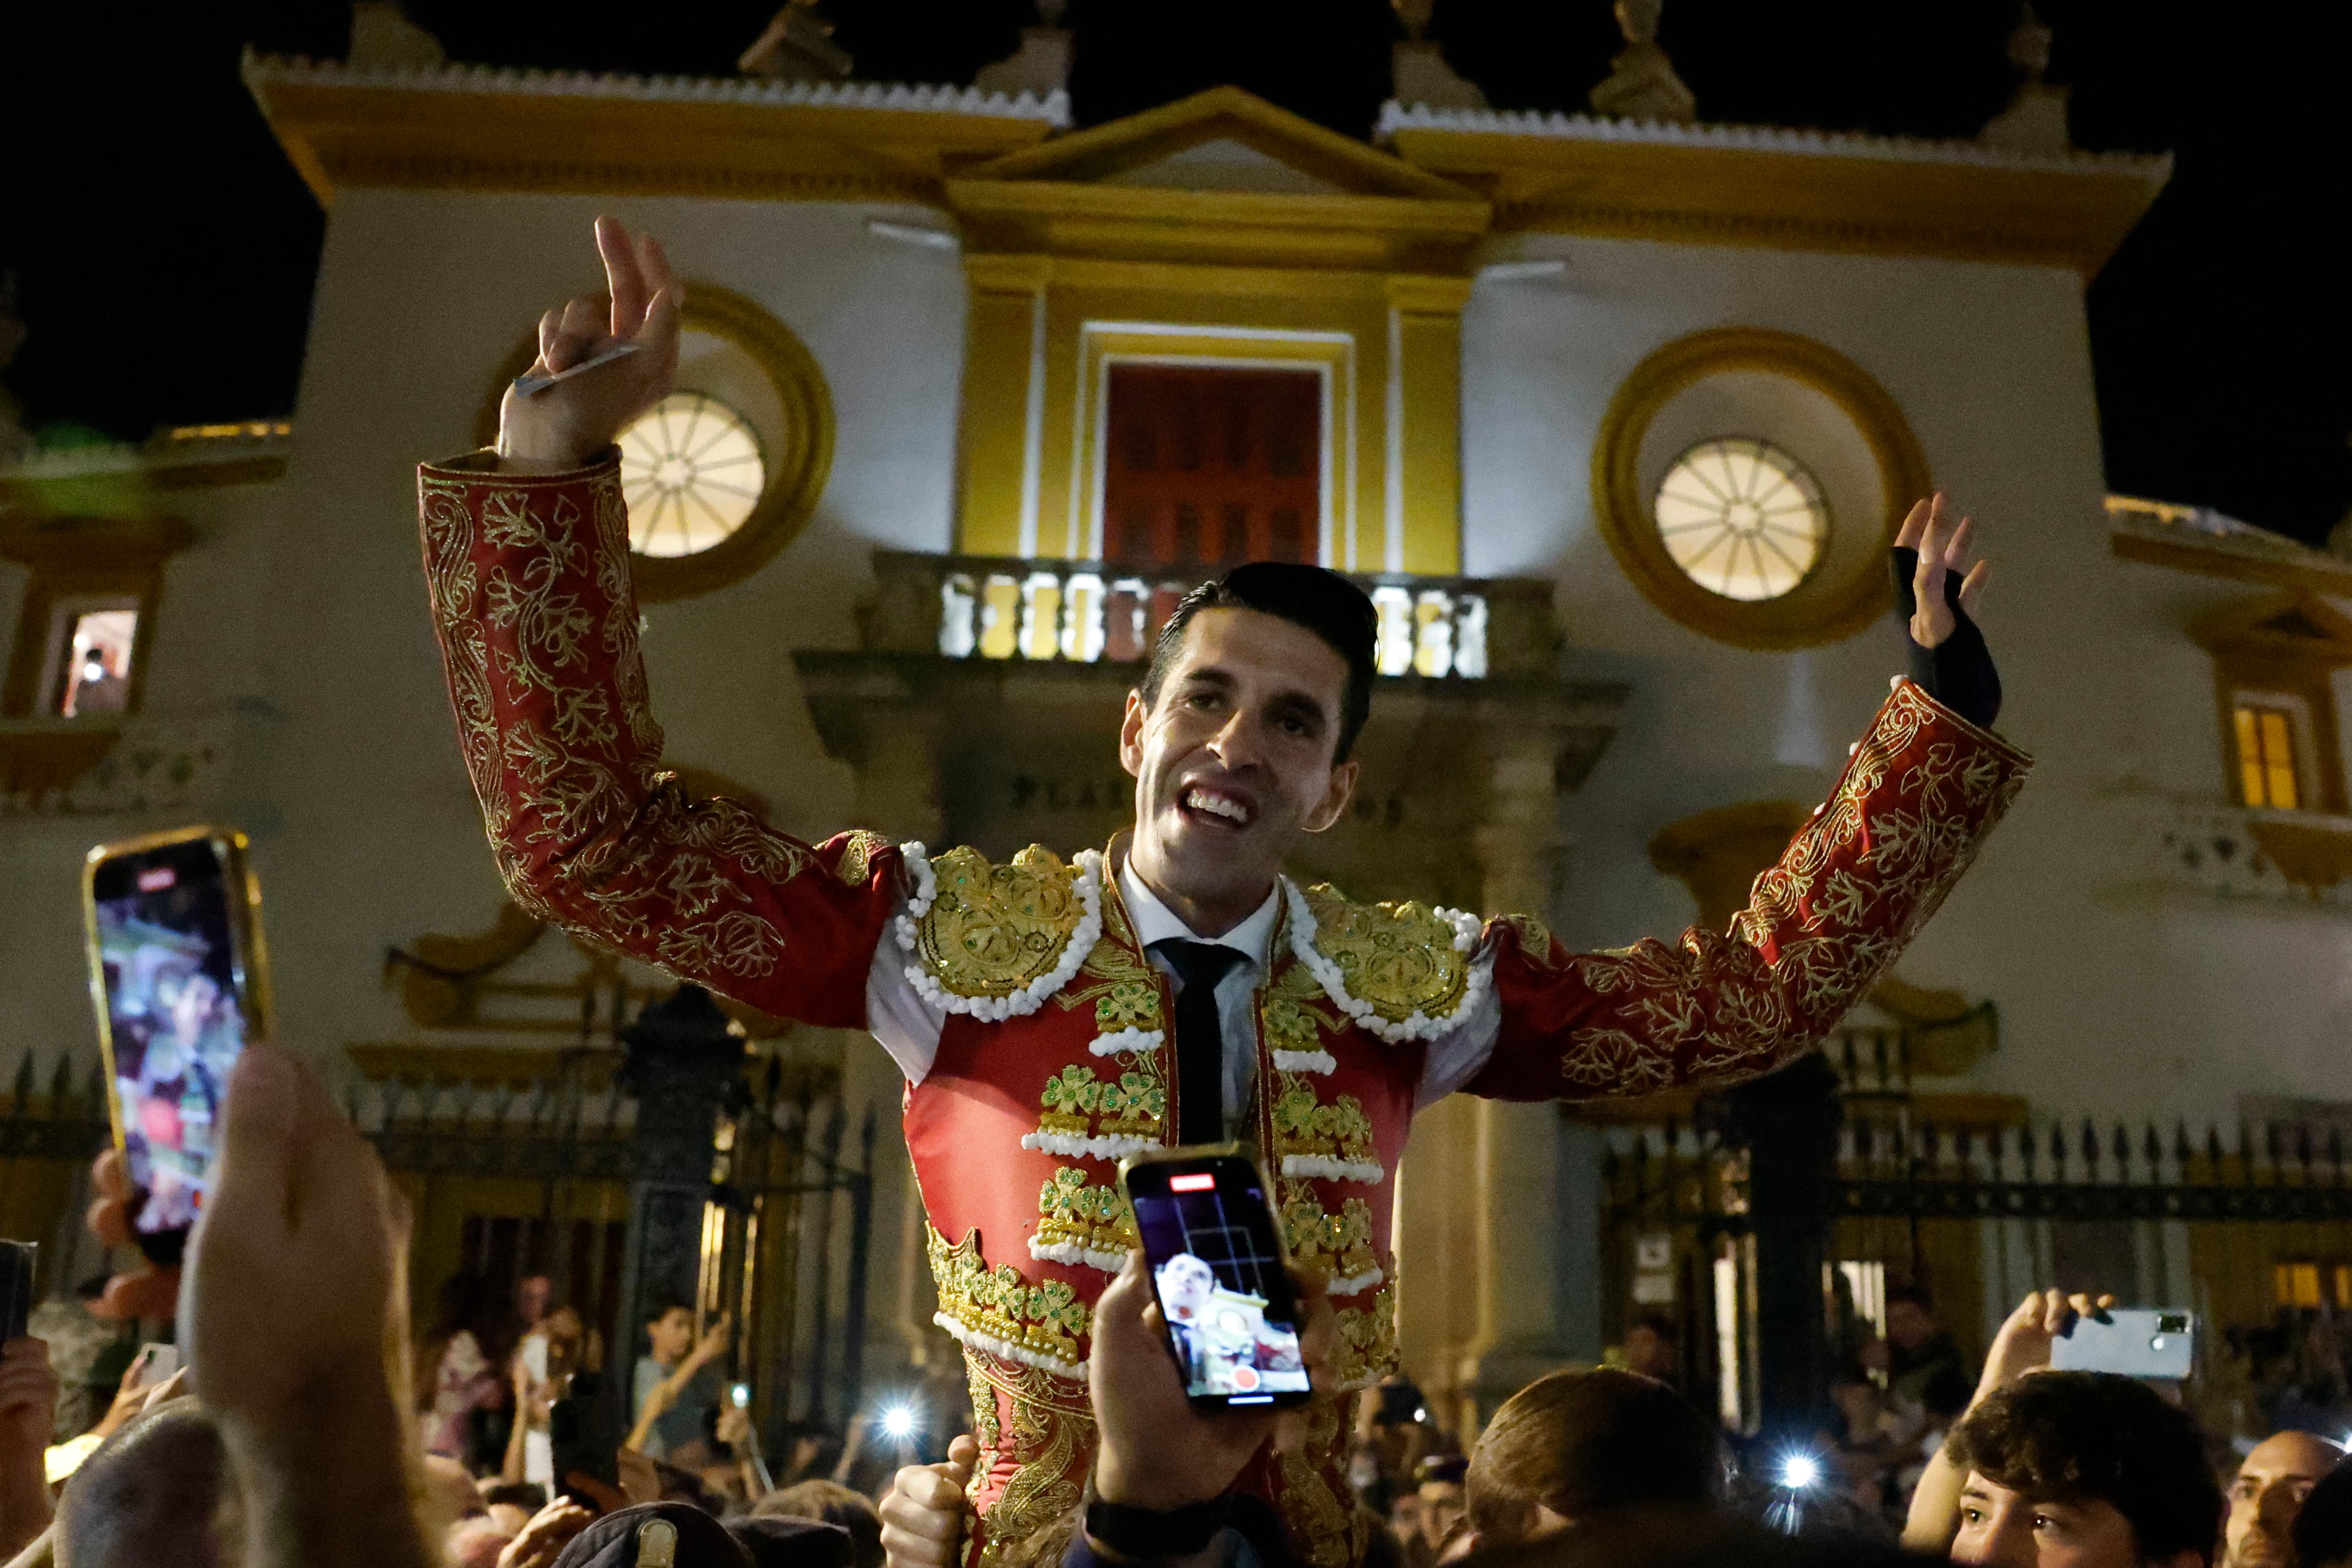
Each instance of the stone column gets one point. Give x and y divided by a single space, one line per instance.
1491 1254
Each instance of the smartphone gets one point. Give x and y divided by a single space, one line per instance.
180 984
2160 1342
16 1261
156 1362
1218 1269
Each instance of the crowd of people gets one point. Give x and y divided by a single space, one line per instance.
297 1432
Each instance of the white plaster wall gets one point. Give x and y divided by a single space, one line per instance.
421 296
2112 999
203 649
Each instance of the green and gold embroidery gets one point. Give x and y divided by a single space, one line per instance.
1331 1141
1364 1350
1080 1113
1083 1221
1002 1311
1339 1244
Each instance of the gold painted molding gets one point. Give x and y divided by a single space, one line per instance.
339 133
1769 199
796 476
2315 576
1074 259
1809 614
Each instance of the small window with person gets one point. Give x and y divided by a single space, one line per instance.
2269 754
94 649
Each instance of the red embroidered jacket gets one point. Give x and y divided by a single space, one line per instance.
1055 1059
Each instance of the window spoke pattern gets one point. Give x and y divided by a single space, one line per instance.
1742 517
692 470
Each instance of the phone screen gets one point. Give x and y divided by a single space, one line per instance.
2133 1342
1216 1266
169 942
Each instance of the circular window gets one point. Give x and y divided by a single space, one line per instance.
1732 536
1742 518
692 472
725 471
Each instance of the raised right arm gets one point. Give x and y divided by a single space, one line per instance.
527 558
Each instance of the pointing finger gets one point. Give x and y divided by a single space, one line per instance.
623 279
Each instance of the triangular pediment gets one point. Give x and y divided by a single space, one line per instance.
1222 141
2298 624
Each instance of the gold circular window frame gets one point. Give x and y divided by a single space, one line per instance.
795 480
1799 618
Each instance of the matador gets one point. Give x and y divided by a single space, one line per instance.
1037 1008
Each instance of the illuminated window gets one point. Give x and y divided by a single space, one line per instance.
2296 1284
692 469
96 673
2267 755
1742 517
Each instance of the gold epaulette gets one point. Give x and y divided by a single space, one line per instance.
1402 971
996 941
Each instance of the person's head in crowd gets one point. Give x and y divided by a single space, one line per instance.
155 1495
669 1331
2084 1469
533 1293
1910 1317
567 1341
510 1504
1652 1347
1583 1442
779 1540
2268 1491
1686 1538
834 1504
2323 1525
615 1540
475 1543
1438 1483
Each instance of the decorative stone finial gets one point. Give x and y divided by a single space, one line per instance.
797 46
1642 82
384 38
1418 73
1041 65
2035 119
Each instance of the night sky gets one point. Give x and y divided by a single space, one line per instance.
165 250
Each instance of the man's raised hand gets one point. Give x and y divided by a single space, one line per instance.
1943 547
567 424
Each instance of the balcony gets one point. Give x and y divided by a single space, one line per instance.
983 706
1093 612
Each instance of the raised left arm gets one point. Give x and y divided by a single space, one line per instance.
1918 795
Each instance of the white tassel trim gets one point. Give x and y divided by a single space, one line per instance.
1351 1284
1125 1040
1325 1168
926 881
1306 1061
1420 1026
1071 1253
1030 997
1117 1146
1008 1350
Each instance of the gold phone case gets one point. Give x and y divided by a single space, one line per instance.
245 933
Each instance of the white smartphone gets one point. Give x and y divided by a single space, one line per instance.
2133 1342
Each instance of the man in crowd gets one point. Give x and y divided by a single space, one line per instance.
1585 1442
1925 1371
2067 1469
1050 1018
676 1394
2268 1493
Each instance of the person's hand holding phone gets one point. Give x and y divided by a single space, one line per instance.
1156 1450
2022 1345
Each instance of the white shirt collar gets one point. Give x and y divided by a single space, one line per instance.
1155 921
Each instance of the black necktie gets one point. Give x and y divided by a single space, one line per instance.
1199 1038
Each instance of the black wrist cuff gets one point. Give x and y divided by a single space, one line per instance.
1133 1532
1958 672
